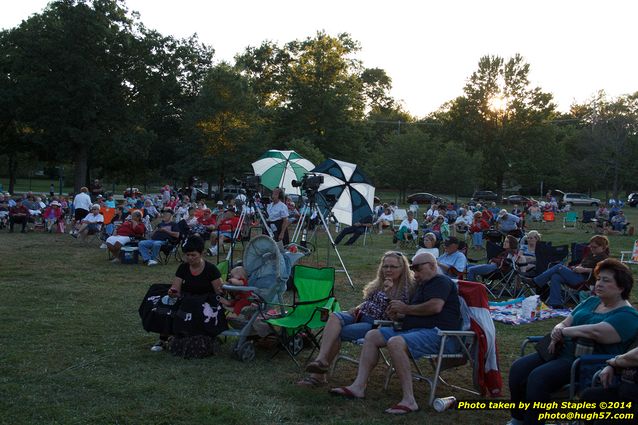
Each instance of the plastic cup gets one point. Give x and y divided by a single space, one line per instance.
442 404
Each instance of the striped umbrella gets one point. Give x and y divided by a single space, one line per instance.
346 183
279 168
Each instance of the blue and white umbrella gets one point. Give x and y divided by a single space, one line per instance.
353 192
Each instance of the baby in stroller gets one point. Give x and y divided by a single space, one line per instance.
239 300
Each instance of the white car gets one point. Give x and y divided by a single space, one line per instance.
580 199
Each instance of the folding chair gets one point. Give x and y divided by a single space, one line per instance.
313 294
588 221
582 371
573 293
399 216
570 220
630 257
478 349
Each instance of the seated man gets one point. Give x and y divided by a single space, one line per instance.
453 261
407 230
434 305
619 221
507 222
90 224
357 229
19 213
166 231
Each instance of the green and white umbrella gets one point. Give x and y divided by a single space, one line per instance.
280 168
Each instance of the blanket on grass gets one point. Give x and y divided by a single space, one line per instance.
509 312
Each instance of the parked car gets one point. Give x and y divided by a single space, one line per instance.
518 199
580 199
200 194
130 191
424 198
484 195
632 199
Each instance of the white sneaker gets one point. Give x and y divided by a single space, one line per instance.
103 246
152 263
212 250
157 347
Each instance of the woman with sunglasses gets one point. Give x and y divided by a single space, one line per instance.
573 276
394 281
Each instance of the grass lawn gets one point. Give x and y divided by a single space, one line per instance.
72 349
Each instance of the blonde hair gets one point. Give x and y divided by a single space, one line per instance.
406 279
239 270
533 233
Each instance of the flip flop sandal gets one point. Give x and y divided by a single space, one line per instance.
345 392
316 367
311 382
402 410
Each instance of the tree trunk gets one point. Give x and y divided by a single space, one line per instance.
616 176
13 165
81 167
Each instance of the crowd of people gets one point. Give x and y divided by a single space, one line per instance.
419 292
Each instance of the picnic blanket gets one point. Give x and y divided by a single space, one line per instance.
509 312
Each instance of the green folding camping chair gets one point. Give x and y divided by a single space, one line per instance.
313 301
570 219
222 266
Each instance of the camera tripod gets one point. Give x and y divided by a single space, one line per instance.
246 211
302 230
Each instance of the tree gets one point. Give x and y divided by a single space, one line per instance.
222 124
501 117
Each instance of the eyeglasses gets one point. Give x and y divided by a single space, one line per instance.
388 266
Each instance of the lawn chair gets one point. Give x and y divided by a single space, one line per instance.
313 301
573 293
570 220
478 349
588 221
399 215
630 257
582 371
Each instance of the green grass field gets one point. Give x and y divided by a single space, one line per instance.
72 349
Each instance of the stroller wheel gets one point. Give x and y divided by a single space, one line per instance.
245 352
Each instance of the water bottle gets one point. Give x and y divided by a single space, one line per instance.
168 300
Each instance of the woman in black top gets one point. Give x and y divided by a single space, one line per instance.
195 276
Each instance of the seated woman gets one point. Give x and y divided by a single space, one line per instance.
535 212
510 254
384 220
479 224
624 366
54 217
575 276
429 245
194 276
607 319
440 228
127 230
394 280
528 251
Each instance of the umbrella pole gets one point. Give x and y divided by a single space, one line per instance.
334 246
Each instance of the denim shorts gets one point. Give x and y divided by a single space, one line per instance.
351 330
421 341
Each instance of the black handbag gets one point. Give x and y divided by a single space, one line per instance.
156 315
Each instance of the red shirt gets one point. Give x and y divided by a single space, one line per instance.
127 229
228 224
210 221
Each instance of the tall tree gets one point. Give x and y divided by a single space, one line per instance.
502 117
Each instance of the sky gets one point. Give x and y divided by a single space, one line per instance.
428 48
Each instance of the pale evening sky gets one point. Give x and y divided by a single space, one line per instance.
428 48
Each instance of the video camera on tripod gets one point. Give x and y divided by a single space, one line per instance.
249 182
309 182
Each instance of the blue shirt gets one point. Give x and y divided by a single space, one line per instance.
508 222
456 260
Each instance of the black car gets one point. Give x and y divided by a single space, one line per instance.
517 199
484 195
424 198
632 199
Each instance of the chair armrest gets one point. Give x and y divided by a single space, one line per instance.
456 333
528 340
384 323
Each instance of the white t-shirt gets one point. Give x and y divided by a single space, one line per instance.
433 251
82 201
385 217
94 218
277 211
412 226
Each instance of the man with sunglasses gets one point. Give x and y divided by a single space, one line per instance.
435 305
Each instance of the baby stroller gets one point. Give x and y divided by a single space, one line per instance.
268 268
